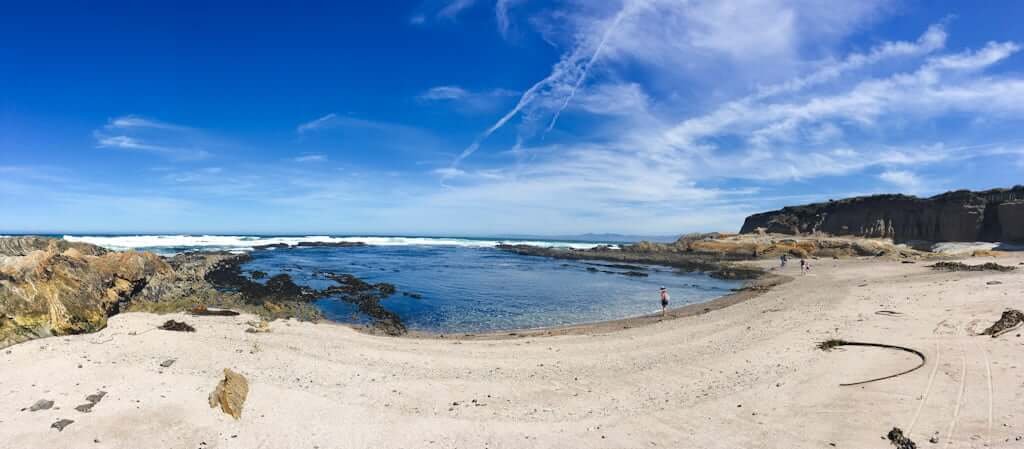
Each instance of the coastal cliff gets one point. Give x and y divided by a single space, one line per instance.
960 216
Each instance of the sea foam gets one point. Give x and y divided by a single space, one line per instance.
179 243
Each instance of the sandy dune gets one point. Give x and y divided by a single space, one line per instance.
747 376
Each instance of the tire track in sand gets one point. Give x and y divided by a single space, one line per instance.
988 378
951 430
927 388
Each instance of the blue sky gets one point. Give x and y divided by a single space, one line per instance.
473 117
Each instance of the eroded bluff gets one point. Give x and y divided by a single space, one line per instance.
962 216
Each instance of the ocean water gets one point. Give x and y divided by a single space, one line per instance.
459 285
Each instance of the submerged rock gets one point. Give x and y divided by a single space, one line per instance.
230 393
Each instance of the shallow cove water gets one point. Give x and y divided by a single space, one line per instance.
457 289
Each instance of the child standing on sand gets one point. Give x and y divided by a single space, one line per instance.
664 302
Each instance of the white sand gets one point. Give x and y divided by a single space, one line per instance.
747 376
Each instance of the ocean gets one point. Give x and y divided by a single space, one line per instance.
456 285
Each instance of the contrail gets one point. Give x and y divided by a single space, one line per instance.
558 72
586 68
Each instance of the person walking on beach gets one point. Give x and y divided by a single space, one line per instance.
782 260
803 266
664 302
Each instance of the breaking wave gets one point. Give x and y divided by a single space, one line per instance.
181 243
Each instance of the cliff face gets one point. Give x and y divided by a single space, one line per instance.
991 215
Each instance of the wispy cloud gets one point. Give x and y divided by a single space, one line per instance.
502 9
136 133
454 8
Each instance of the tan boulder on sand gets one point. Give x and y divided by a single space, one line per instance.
230 393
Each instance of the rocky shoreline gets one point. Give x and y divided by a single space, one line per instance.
54 287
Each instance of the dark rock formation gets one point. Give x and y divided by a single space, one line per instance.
311 245
960 216
669 255
959 266
367 298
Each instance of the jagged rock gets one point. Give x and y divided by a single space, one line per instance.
230 393
960 216
54 287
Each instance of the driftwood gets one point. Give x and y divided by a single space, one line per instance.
834 343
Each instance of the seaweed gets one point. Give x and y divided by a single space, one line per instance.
831 344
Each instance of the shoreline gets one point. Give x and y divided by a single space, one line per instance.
749 375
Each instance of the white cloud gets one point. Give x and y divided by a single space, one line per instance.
135 133
904 180
134 121
444 93
311 158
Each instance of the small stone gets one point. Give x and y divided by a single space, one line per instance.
167 363
61 424
41 404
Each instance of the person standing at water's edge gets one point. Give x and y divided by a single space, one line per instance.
664 301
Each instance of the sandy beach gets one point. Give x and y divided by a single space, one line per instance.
745 376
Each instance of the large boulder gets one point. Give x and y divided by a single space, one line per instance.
230 393
953 216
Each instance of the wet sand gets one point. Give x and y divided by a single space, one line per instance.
747 375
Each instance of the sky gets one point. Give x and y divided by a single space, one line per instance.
475 117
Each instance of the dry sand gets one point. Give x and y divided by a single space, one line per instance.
746 376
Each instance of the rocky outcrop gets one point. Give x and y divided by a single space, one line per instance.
960 216
54 287
50 287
